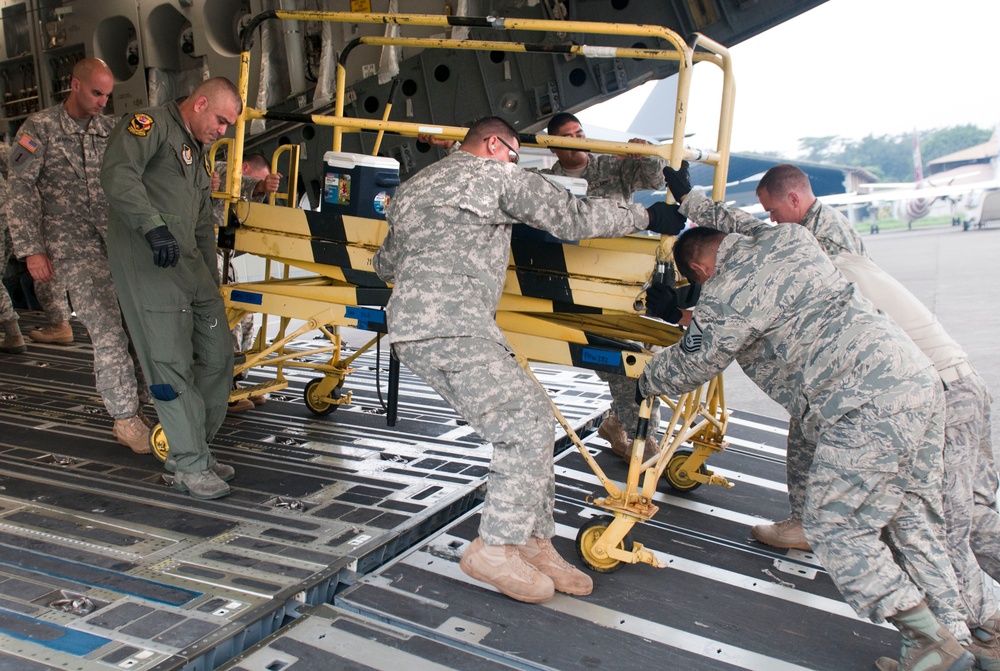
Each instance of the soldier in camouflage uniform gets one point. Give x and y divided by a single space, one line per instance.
615 177
446 252
257 182
970 473
13 341
57 215
156 178
868 399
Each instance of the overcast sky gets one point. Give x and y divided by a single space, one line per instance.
849 68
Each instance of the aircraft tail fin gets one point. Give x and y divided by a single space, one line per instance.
918 164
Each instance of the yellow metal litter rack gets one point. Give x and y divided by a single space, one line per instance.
605 277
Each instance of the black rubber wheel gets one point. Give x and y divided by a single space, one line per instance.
676 478
315 403
588 536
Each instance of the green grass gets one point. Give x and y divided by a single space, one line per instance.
896 224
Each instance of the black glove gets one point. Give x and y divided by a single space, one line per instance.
166 251
678 181
661 301
665 219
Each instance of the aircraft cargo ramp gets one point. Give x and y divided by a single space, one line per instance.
339 547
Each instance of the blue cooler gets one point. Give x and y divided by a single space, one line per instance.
358 184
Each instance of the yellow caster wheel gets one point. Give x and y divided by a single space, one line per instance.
587 538
315 402
158 442
677 475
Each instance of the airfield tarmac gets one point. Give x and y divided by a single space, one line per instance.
953 272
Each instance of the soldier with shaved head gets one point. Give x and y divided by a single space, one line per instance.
161 241
57 215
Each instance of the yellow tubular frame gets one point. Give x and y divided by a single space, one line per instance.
699 416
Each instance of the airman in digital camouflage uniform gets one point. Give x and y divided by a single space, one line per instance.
13 341
868 399
970 473
257 182
446 253
57 215
615 177
161 243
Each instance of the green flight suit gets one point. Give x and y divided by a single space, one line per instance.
154 174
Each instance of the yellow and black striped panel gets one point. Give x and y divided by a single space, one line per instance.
599 355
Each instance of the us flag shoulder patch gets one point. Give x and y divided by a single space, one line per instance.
691 342
140 124
28 142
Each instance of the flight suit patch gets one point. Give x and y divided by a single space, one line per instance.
140 124
691 342
186 155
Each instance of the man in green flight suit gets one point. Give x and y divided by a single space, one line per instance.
156 180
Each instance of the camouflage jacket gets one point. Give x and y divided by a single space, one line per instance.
831 229
610 177
156 174
55 204
449 241
777 305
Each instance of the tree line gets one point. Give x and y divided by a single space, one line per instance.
890 157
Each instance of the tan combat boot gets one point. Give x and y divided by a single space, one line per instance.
985 644
13 341
927 644
568 579
132 433
239 406
611 430
503 567
784 534
61 334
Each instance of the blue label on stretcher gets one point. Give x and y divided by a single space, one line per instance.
251 297
365 317
601 356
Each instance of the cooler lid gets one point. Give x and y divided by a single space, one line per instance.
347 160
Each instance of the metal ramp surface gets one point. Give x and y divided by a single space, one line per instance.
339 546
723 602
104 565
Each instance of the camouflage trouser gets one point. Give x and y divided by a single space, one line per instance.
96 304
969 488
970 475
623 404
52 297
6 306
483 382
243 332
879 468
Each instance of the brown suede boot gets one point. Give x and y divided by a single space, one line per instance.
13 341
132 433
611 430
927 644
503 567
540 553
61 334
784 534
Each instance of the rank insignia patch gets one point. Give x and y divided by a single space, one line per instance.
691 342
140 124
186 155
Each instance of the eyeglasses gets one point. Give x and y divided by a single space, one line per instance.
514 156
